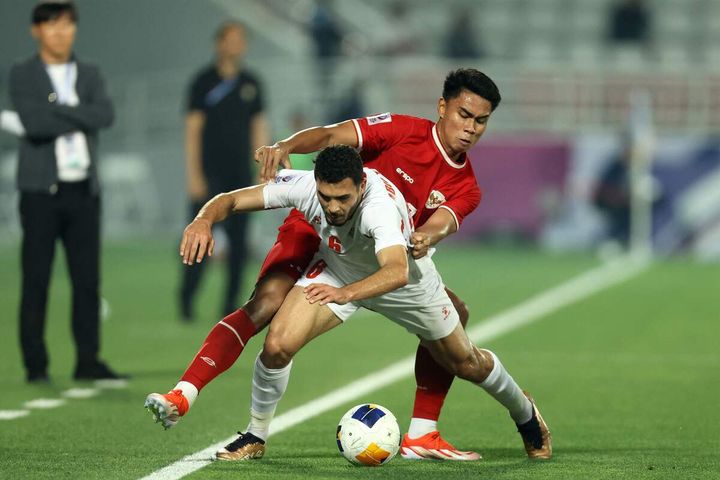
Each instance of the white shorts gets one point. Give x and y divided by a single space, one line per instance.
422 306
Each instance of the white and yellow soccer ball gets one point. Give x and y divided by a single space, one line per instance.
368 434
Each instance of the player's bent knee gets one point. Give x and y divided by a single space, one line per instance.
457 367
486 360
468 370
276 353
475 368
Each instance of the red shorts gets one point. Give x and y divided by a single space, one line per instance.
295 246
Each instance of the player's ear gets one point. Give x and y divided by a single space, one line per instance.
441 106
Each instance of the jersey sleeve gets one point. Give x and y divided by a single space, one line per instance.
463 202
380 132
290 188
384 225
196 95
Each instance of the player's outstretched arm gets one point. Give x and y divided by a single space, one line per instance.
270 157
197 238
437 227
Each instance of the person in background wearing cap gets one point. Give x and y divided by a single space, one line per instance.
60 105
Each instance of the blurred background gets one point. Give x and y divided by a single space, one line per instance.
573 75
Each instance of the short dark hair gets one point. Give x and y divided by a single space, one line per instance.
47 11
228 25
338 162
474 81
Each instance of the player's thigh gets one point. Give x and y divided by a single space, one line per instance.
295 246
459 305
319 272
297 323
268 296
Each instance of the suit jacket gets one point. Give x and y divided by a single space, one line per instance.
33 97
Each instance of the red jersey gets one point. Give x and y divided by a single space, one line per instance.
407 151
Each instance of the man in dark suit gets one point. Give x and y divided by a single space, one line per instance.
61 104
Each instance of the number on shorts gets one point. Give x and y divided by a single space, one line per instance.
316 269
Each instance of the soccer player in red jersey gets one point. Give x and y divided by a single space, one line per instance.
428 163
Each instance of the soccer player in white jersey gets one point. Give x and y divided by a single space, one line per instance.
364 229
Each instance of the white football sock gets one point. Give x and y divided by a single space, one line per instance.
501 386
268 387
421 426
189 391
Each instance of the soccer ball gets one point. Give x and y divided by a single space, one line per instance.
369 435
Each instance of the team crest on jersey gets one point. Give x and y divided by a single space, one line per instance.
315 220
445 312
435 199
380 118
248 92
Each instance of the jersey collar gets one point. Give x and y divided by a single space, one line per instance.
444 154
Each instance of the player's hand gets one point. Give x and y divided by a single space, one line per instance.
197 241
324 294
421 244
269 157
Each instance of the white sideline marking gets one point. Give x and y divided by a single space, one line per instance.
13 414
575 289
111 384
44 403
72 393
80 393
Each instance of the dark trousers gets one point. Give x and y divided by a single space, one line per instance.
236 228
73 216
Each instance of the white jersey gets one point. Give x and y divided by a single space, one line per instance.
380 221
347 253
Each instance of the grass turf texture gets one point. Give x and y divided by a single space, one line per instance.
627 379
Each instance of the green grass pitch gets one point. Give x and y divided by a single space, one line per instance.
628 379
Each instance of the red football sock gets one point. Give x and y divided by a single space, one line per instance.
220 349
433 383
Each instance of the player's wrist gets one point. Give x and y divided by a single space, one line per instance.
204 220
348 293
283 146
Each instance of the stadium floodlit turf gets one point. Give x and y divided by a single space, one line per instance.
627 379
